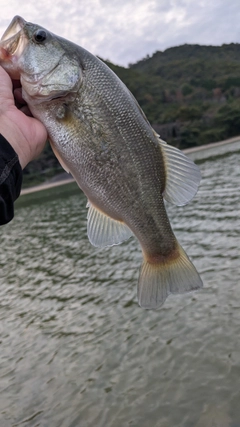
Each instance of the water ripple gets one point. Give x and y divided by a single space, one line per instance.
77 351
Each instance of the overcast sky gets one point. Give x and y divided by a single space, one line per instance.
125 31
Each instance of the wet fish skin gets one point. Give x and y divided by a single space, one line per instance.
100 134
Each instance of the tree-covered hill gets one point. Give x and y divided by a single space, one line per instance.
190 94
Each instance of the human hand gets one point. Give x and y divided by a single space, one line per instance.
26 134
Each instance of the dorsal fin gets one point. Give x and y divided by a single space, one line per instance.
103 230
182 175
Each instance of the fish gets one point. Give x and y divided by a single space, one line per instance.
100 135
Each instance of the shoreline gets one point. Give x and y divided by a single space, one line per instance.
212 145
47 185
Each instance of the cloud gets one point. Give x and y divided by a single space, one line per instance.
127 31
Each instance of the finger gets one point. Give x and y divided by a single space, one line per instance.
18 96
6 85
16 84
26 111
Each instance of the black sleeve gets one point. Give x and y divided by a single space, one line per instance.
10 180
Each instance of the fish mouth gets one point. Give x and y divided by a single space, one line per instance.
12 44
14 28
29 76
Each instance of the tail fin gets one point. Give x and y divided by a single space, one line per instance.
171 276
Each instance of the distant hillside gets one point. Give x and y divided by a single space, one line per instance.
187 52
190 94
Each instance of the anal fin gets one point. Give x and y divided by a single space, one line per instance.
103 230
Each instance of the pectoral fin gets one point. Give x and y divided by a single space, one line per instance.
61 161
182 175
103 230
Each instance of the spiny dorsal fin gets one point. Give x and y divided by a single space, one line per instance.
103 230
182 175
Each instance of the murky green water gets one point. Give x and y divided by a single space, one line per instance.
75 348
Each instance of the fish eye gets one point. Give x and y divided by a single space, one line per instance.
40 36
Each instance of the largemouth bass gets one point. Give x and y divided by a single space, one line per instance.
100 134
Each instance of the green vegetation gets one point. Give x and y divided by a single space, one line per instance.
190 94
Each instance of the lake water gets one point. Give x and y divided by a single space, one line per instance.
76 350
